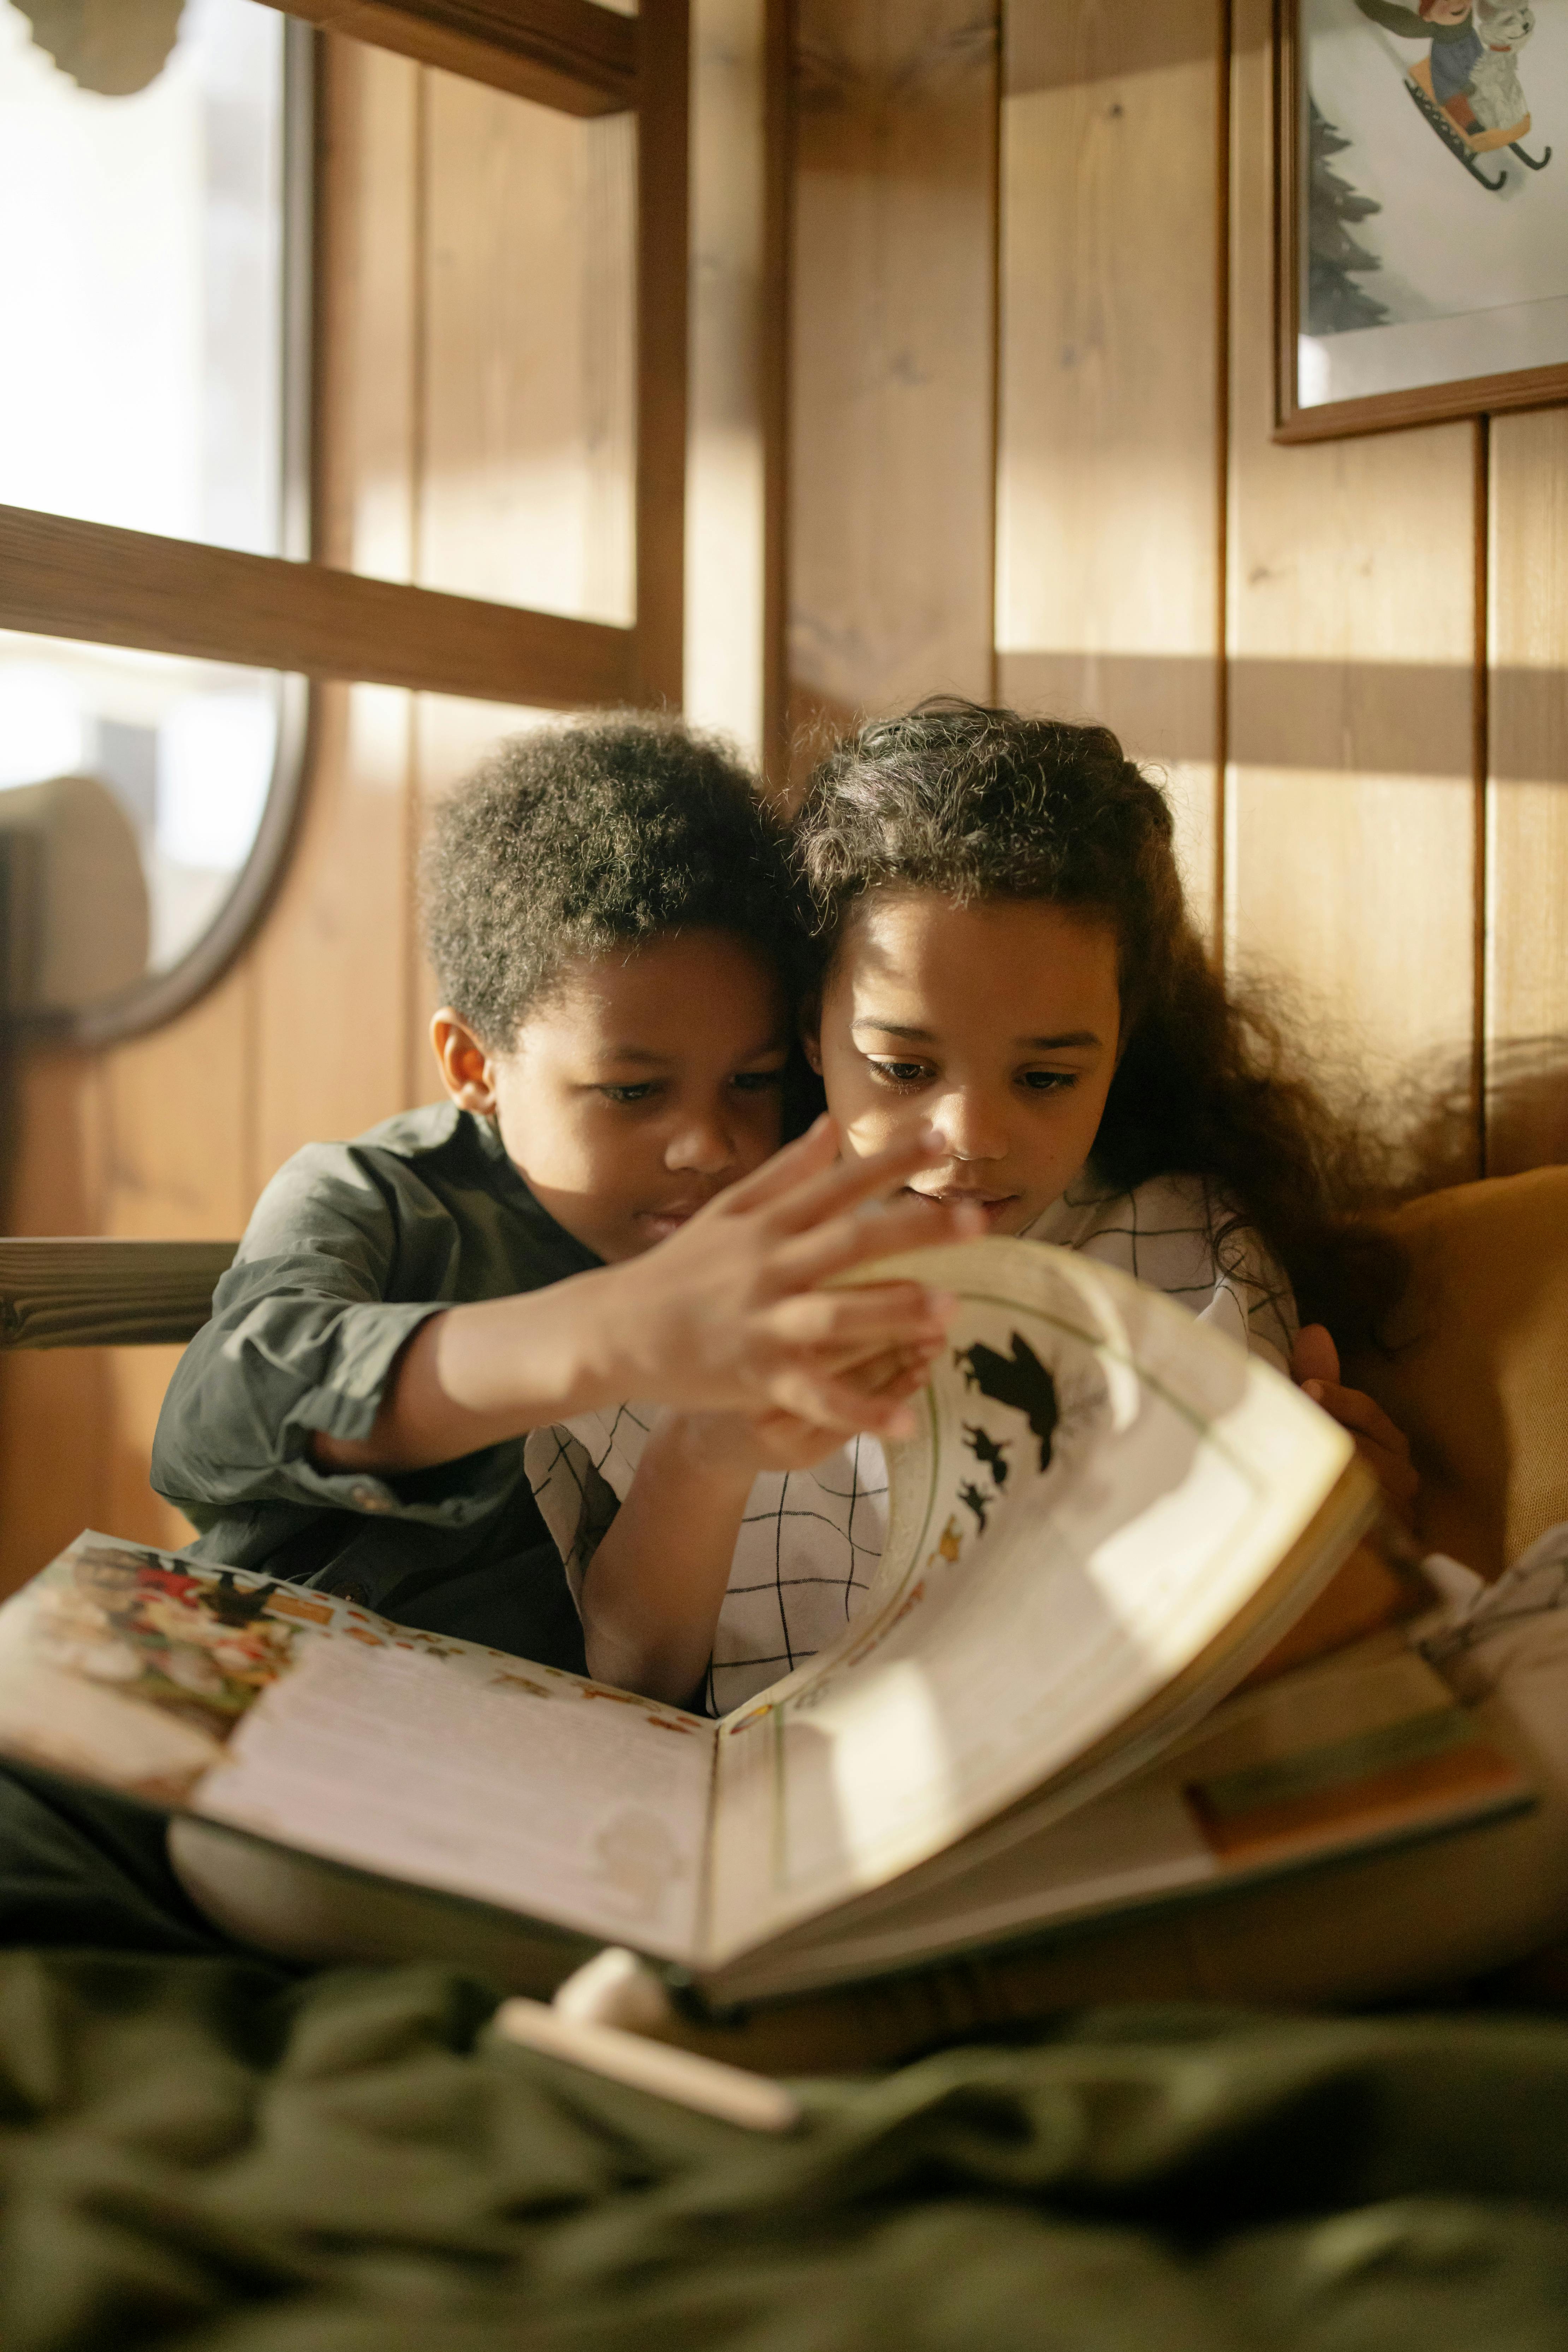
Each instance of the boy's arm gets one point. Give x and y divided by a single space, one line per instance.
725 1316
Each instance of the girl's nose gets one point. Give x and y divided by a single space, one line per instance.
971 1127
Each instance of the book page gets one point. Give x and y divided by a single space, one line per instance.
1101 1486
1354 1752
311 1721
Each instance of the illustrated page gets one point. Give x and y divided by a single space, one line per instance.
313 1722
1099 1486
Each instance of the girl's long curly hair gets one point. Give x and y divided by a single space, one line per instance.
980 803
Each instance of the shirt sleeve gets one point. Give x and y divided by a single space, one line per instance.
1171 1233
1251 1298
577 1504
303 1337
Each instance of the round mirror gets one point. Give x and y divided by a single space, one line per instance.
154 178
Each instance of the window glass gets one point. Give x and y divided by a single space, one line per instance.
140 267
132 786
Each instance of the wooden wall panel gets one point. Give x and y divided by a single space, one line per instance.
331 959
179 1124
367 425
1350 853
332 1044
892 367
726 456
527 432
527 442
1109 499
56 1415
1526 1030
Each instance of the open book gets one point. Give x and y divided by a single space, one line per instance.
1108 1515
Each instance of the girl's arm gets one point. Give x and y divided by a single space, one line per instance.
654 1588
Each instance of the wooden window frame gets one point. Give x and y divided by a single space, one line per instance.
64 578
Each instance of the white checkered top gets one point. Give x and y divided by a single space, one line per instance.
811 1539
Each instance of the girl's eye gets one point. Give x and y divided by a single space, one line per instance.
756 1082
901 1073
640 1092
1049 1082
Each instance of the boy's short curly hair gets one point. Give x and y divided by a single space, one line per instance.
573 840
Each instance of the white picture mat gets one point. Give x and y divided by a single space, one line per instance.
1475 282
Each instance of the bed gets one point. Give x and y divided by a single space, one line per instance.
202 2149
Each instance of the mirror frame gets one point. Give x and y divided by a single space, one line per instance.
158 996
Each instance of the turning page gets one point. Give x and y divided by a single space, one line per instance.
1085 1551
312 1722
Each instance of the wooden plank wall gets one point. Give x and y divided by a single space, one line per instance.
1525 907
1108 574
1348 658
892 385
1352 799
1028 431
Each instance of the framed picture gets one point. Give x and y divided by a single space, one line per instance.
1421 193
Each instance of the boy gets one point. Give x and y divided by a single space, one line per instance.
608 911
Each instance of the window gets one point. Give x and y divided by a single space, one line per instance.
160 609
152 277
142 281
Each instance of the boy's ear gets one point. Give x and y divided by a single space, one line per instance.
467 1068
811 1036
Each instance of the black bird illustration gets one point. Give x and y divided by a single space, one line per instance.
989 1450
1018 1379
976 1501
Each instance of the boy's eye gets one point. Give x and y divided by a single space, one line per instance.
1049 1082
756 1082
639 1092
899 1074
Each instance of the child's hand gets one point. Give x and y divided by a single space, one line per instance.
743 1445
727 1314
1386 1450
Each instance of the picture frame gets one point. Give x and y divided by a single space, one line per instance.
1420 212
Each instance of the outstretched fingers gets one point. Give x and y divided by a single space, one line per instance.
883 1314
847 1242
845 1405
817 1190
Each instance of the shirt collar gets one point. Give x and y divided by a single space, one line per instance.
510 1186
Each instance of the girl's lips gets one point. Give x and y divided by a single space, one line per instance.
995 1205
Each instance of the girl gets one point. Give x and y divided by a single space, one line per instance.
1004 955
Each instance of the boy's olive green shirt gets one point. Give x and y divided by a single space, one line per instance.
350 1248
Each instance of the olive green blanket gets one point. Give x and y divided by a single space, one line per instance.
199 2150
193 2153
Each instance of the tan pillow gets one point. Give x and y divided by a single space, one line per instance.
1478 1379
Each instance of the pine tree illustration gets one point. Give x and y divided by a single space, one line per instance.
1334 300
